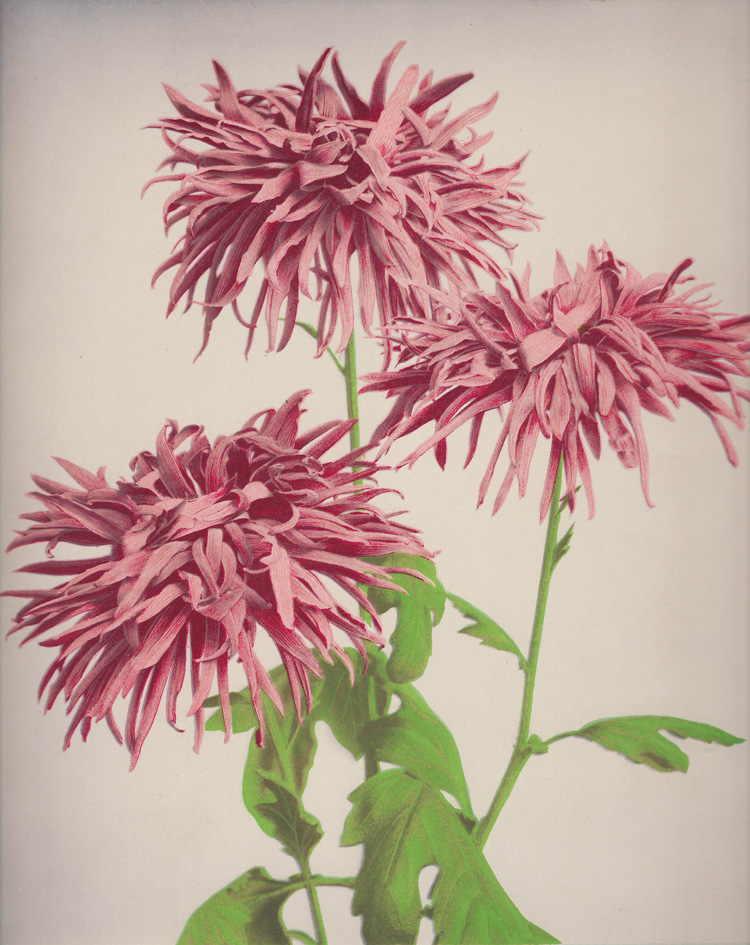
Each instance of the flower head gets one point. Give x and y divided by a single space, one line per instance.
302 178
586 356
202 548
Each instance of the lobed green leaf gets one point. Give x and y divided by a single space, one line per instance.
344 705
485 629
275 776
246 912
285 760
417 740
639 738
297 830
413 737
406 825
347 708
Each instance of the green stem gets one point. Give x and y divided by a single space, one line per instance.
348 882
523 750
352 397
313 332
302 937
312 895
352 408
557 738
372 766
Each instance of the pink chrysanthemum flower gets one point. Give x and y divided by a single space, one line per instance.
201 549
301 179
588 355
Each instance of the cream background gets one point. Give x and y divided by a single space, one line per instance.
635 114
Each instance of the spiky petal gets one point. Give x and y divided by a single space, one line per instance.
300 179
205 546
586 356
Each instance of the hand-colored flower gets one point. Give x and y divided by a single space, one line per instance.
589 354
201 549
301 179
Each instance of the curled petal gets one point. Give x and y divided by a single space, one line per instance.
208 544
589 354
299 179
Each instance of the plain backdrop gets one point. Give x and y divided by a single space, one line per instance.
634 115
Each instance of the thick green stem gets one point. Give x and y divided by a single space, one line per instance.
523 749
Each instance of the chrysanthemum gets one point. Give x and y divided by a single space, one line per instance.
586 356
202 548
301 179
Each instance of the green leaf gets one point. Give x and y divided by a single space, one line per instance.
275 775
405 826
284 763
285 759
562 547
639 738
419 609
347 708
298 831
246 912
417 740
485 629
289 752
344 706
565 502
243 714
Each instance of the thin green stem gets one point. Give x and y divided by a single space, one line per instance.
557 738
347 882
541 608
313 332
309 885
312 895
302 937
515 766
523 749
352 397
352 408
